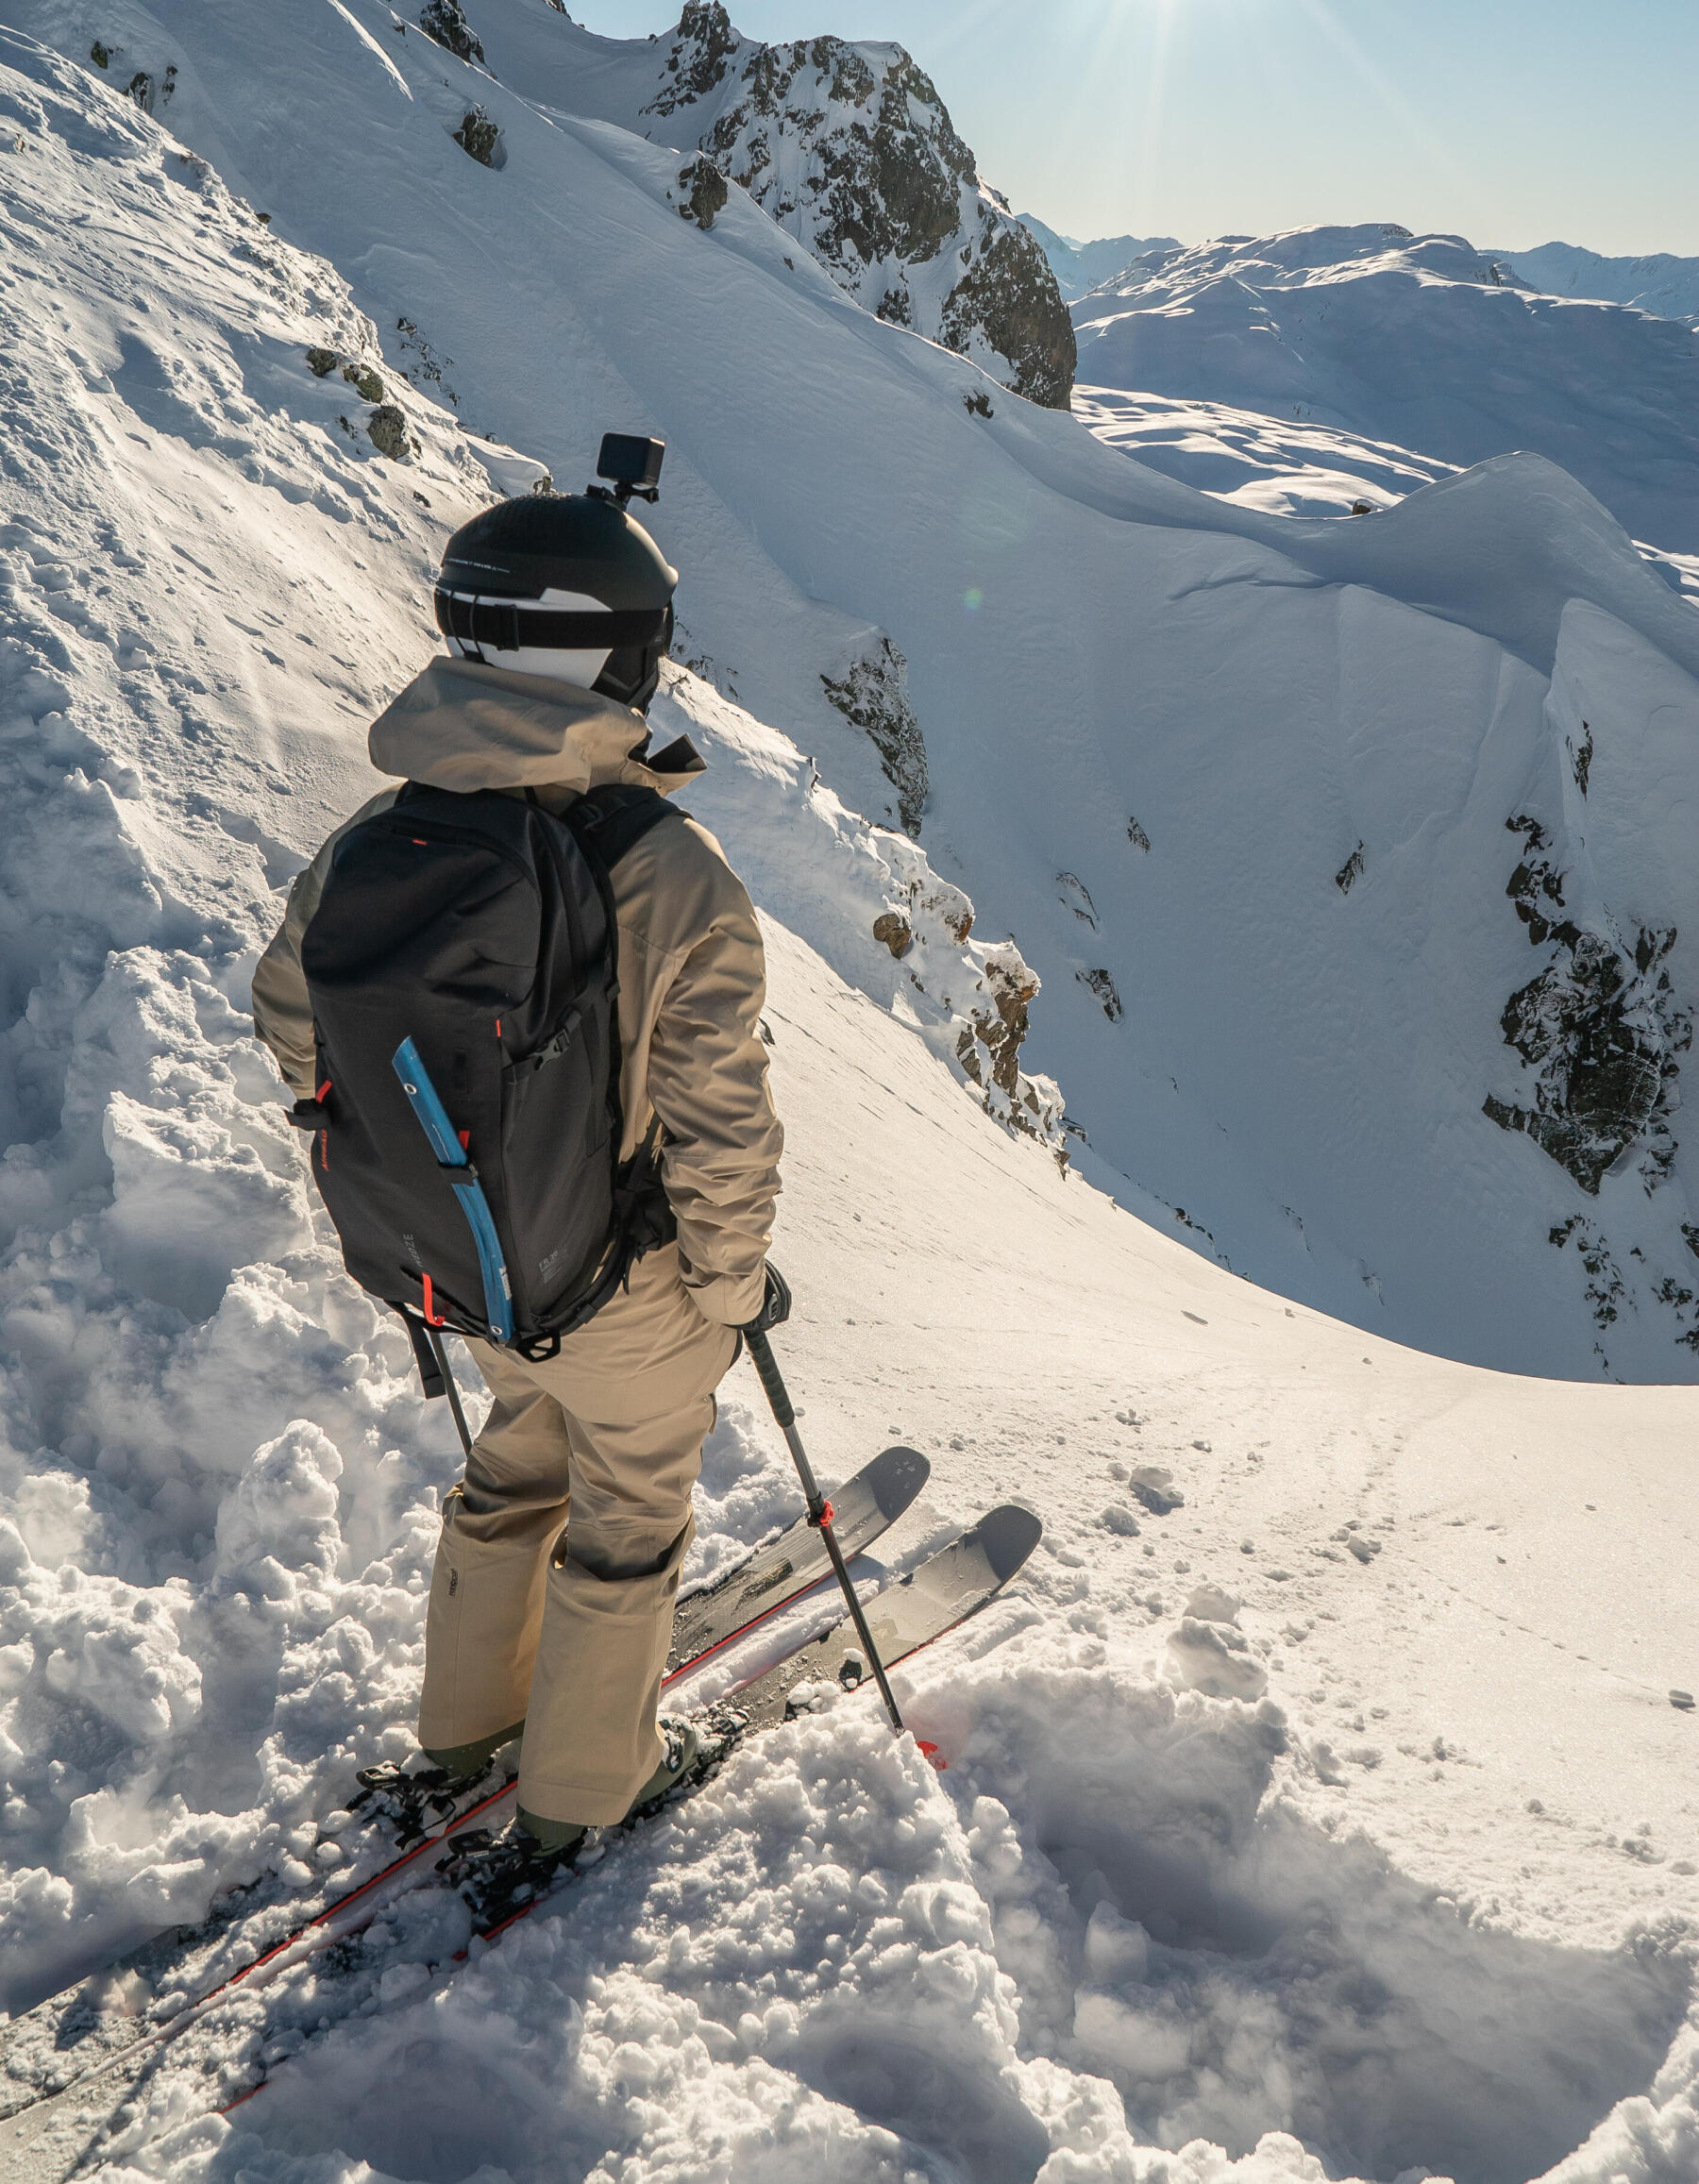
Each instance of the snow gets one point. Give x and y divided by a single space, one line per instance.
1418 339
1665 285
1087 644
1317 1796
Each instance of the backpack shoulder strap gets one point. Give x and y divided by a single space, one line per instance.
612 819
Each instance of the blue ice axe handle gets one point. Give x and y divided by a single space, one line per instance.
451 1157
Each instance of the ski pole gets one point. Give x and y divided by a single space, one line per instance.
440 1353
775 1310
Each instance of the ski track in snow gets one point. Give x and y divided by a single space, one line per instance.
1316 1788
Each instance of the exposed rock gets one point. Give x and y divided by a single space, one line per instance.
979 403
851 150
702 46
1351 871
705 191
387 426
427 372
872 695
322 363
1008 299
1103 987
896 931
988 1048
366 382
446 22
478 136
1000 1031
1136 836
100 54
151 95
1077 895
1581 758
1600 1027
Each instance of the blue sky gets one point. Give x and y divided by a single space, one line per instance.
1510 121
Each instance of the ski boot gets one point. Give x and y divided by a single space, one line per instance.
411 1801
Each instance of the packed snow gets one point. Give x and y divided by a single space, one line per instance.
1320 1802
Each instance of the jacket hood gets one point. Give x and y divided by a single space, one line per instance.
462 724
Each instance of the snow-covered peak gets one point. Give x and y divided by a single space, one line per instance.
848 146
1299 256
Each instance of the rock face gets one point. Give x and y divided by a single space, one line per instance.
446 22
872 693
1599 1027
851 149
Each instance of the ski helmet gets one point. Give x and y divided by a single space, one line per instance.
565 585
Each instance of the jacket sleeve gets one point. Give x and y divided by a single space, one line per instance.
282 1013
708 1083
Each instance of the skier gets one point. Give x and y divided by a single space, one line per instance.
557 1568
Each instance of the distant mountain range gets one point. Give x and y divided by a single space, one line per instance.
1663 283
1080 266
1419 341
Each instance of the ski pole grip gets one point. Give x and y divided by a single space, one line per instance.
775 1303
761 1351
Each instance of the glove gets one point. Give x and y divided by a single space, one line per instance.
775 1306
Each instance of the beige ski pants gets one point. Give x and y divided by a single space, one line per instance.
557 1570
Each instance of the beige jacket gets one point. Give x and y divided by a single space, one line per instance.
692 974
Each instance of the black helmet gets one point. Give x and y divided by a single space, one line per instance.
496 568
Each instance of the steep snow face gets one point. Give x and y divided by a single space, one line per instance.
1082 266
1420 341
1237 789
1666 285
849 147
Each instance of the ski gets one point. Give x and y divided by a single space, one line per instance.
100 2019
44 2142
919 1607
251 1933
862 1508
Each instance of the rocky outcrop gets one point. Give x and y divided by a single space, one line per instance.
703 191
1599 1027
849 148
446 22
872 693
478 136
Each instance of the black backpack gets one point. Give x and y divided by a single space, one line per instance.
462 969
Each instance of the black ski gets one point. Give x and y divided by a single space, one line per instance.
862 1507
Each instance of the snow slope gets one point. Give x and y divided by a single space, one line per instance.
1417 340
1095 655
1340 1806
1080 266
1662 284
